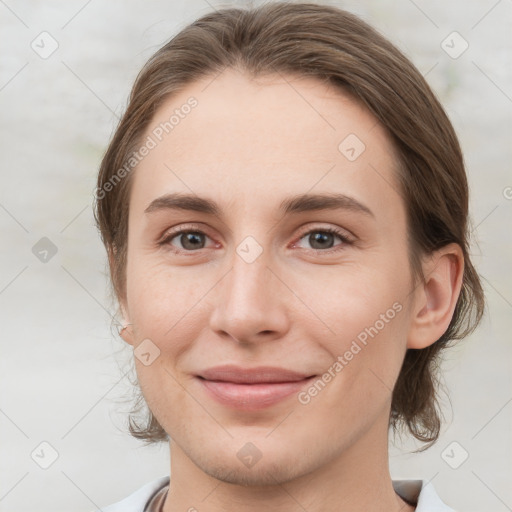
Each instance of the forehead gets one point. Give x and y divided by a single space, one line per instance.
251 141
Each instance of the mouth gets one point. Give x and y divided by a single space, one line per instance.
251 389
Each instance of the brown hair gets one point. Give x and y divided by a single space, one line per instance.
336 47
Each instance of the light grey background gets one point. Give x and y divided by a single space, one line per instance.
62 368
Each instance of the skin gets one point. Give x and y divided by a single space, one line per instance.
248 145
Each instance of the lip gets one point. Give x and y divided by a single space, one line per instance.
251 388
260 374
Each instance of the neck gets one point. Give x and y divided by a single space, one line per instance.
355 480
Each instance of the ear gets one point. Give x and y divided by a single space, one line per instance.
436 297
126 331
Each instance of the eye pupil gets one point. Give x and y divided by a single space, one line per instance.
321 237
194 239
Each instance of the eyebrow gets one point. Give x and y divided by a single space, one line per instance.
295 204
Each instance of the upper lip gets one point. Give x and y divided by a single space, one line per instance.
260 374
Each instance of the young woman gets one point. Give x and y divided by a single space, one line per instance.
284 205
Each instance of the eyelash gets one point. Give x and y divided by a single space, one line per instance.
341 234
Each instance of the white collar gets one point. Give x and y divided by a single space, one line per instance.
422 493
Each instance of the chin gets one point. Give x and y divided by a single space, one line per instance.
262 462
262 474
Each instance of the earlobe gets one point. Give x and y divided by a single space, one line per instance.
126 333
437 296
126 329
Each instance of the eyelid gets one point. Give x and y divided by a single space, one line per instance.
337 230
170 233
345 236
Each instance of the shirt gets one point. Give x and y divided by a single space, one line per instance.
150 497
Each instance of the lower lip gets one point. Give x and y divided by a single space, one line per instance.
251 397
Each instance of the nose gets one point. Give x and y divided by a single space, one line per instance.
250 302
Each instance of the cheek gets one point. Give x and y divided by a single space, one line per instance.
354 298
161 304
365 312
366 353
163 300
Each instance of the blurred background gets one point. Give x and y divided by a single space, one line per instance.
65 73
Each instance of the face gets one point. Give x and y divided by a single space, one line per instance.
269 279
